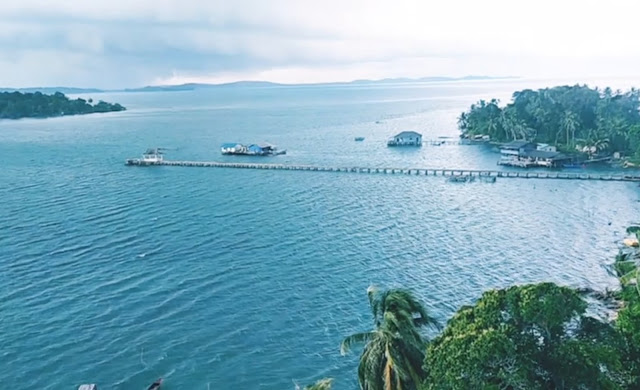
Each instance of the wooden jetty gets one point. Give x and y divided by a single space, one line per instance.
400 171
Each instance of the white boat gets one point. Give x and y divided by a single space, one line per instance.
150 157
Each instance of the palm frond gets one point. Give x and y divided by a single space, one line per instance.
633 229
358 338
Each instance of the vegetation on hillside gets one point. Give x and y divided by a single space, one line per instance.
571 117
16 105
537 336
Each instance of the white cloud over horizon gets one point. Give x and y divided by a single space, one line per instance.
139 42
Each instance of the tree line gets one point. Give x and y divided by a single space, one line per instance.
16 105
574 118
536 336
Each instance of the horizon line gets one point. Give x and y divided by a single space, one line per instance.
275 83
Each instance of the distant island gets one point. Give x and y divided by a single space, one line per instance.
16 105
255 84
575 119
252 84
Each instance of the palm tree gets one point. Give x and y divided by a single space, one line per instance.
322 384
570 123
394 351
593 144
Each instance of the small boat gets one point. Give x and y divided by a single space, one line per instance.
155 385
150 157
359 138
631 242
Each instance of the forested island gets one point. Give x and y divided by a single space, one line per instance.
575 119
16 105
536 336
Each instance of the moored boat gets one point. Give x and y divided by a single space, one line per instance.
251 150
152 156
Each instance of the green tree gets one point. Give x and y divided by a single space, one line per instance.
394 351
570 123
15 105
560 115
526 337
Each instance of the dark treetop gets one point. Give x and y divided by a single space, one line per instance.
15 105
574 118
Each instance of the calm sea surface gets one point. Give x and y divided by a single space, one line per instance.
240 279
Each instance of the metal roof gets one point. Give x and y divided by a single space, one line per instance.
545 155
408 134
516 144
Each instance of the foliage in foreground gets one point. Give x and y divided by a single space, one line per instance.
394 350
569 117
15 105
628 321
526 337
537 336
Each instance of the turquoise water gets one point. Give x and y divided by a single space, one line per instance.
240 279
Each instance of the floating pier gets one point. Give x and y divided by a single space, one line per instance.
398 171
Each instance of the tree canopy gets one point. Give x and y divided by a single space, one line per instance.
526 337
570 117
16 105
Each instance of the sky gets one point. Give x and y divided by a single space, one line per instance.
132 43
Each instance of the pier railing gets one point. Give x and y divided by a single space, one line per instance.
406 171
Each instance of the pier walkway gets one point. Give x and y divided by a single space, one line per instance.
407 171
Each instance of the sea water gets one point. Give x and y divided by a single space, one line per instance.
249 279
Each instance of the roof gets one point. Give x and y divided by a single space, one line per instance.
546 155
516 144
408 134
230 145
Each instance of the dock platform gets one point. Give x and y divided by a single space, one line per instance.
635 177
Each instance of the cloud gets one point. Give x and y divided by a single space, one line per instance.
135 42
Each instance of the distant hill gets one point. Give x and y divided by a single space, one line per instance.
238 84
52 90
194 86
428 80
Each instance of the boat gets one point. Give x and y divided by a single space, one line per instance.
152 156
251 150
359 138
155 385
